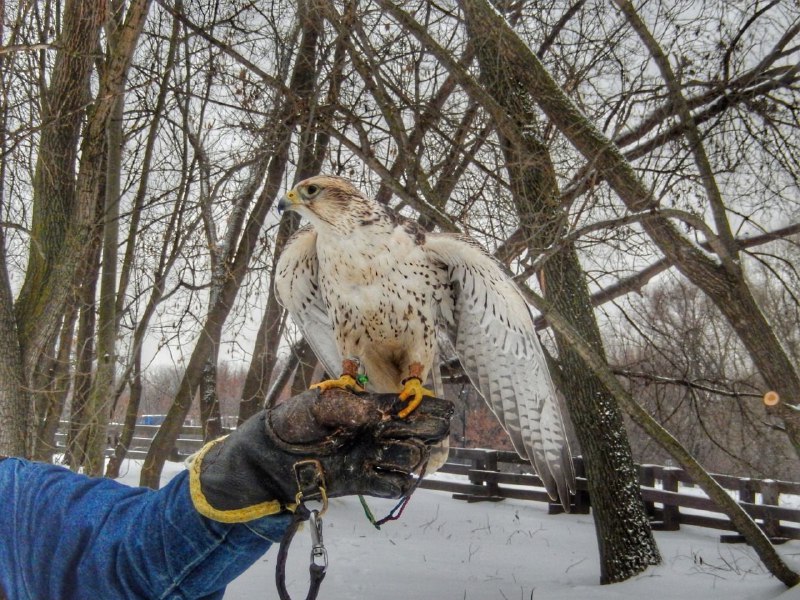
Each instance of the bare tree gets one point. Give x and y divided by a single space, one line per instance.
620 176
63 206
626 542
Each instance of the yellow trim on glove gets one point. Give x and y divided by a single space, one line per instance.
237 515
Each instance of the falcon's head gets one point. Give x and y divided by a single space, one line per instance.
332 203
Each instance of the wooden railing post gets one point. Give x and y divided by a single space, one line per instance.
770 494
747 491
490 464
647 478
582 502
478 464
671 512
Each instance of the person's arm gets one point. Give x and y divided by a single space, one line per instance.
67 536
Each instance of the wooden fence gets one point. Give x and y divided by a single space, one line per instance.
492 475
190 440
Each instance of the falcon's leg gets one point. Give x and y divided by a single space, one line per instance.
347 381
413 390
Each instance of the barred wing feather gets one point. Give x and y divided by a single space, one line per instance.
298 291
493 335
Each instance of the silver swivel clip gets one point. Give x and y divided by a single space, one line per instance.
319 555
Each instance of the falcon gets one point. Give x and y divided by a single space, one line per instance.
369 291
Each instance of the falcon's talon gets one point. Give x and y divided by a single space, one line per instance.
345 382
414 392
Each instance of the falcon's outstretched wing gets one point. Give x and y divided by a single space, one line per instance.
493 334
298 291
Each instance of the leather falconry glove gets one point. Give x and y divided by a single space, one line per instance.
335 443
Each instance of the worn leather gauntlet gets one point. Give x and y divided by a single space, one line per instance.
335 443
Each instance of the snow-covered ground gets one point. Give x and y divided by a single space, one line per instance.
446 549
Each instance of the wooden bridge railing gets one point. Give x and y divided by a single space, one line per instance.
190 440
492 475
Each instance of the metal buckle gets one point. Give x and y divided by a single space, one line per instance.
310 480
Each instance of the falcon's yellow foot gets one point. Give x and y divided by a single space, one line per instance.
414 393
345 382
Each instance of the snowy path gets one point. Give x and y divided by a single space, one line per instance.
445 549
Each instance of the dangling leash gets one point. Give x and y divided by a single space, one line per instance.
309 478
319 556
311 485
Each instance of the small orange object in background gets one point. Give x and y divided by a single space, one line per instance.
771 398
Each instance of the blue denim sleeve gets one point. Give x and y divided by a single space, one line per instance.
67 536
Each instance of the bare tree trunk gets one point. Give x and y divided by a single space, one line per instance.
313 144
626 542
84 357
64 207
754 535
54 188
624 536
103 138
98 407
58 389
134 370
14 399
307 364
131 414
209 402
265 350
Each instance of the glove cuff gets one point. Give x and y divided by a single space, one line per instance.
235 515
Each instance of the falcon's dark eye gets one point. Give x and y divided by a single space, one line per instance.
312 190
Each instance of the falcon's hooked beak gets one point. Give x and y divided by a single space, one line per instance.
289 201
